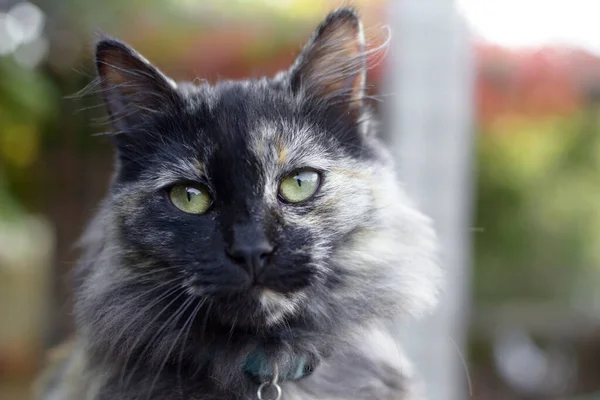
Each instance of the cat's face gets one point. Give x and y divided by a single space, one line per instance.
269 199
245 193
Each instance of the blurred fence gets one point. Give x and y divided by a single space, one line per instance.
431 127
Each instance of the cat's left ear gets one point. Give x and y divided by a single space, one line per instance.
332 65
132 88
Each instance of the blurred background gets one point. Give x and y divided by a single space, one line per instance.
524 131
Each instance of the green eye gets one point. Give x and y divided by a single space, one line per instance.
192 199
299 186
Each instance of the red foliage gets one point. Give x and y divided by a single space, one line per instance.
535 82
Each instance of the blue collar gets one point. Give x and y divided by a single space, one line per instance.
258 367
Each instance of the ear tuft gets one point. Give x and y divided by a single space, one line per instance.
333 62
131 87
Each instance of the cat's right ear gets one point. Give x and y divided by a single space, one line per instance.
131 87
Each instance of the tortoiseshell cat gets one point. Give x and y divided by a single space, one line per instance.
253 230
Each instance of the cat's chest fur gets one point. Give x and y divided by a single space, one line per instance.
373 368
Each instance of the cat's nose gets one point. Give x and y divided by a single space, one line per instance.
251 256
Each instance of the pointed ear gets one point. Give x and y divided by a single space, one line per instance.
132 88
333 62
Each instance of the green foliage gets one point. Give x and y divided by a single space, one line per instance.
538 209
26 102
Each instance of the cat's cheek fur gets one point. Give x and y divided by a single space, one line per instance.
393 259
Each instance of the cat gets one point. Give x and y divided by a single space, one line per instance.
254 242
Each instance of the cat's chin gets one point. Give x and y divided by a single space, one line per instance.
278 306
253 305
259 307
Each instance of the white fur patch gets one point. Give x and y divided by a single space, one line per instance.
278 305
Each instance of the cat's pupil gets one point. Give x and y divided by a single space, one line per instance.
299 181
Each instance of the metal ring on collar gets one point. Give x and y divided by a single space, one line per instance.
273 383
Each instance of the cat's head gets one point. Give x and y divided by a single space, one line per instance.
269 201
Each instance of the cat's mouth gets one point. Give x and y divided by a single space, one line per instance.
267 305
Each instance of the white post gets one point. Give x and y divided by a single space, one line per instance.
430 124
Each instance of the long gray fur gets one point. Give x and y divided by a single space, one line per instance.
370 255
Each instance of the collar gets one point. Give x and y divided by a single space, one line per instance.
259 368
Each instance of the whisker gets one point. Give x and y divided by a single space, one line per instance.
139 314
139 338
187 330
204 324
231 331
177 317
465 367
